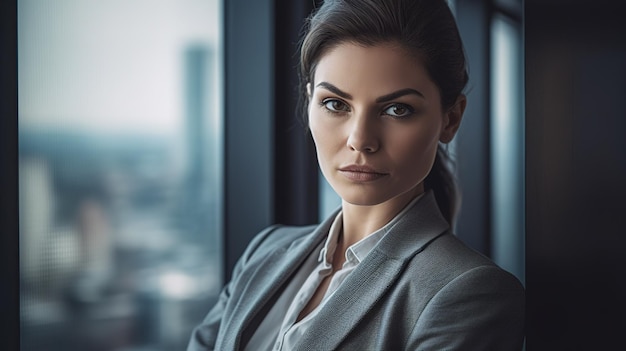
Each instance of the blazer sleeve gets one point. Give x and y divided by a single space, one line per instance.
204 336
482 309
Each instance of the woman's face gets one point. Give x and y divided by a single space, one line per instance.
376 119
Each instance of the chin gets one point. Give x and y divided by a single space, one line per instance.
363 198
372 196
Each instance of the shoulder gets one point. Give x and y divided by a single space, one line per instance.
448 263
479 303
448 252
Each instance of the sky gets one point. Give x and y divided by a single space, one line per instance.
108 66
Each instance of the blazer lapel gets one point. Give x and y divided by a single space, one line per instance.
269 277
375 275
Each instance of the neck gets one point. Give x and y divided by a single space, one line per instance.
360 221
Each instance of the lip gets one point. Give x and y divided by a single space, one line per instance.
361 173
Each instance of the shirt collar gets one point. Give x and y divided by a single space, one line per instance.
331 241
357 251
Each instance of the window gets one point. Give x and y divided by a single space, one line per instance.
120 139
507 140
489 148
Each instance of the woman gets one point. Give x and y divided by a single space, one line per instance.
382 81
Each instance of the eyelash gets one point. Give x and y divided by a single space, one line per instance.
409 110
324 103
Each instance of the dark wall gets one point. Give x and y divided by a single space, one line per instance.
270 167
295 164
575 173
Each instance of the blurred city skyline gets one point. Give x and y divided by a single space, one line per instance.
119 171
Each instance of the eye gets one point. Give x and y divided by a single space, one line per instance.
398 110
334 105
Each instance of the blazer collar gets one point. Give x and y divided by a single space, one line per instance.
376 274
276 270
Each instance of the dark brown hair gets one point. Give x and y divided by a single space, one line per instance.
424 27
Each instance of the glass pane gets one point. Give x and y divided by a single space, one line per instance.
507 151
119 166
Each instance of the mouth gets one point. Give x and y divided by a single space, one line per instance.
362 173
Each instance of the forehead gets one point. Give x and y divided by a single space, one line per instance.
378 68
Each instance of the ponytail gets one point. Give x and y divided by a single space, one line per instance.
442 181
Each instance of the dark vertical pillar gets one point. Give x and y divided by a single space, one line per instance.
575 170
295 175
248 108
9 216
473 141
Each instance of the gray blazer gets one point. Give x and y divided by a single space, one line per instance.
420 288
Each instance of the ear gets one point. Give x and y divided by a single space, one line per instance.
308 90
309 96
308 104
452 119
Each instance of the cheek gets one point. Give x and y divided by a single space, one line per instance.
418 151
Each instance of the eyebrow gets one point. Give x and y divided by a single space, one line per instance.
384 98
399 93
335 90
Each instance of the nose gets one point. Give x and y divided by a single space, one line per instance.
363 134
